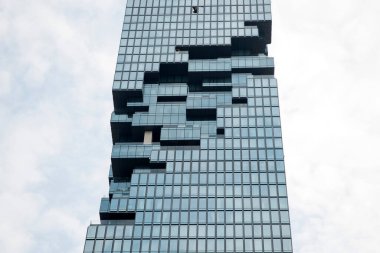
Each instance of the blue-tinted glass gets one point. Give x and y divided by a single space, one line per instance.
197 162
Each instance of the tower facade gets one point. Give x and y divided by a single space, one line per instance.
197 163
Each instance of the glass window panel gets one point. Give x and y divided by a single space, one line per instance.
89 245
230 245
108 246
258 245
287 245
101 232
267 245
98 246
220 245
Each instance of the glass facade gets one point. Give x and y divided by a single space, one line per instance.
197 160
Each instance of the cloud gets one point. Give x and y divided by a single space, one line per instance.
327 61
56 69
57 65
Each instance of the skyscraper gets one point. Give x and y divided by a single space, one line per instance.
197 158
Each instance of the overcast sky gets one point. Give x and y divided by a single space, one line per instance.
57 59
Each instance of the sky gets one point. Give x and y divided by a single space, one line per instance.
57 60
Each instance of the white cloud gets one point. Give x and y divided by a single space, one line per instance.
57 64
327 63
5 83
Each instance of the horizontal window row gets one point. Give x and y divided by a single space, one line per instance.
130 85
207 8
244 127
167 38
190 38
196 101
252 122
235 184
157 119
227 155
172 90
255 123
252 113
151 57
196 167
208 178
129 76
132 151
184 14
202 29
151 61
259 131
182 133
210 191
242 143
168 3
212 217
158 35
174 108
201 231
224 166
265 107
209 152
158 204
191 245
252 92
123 204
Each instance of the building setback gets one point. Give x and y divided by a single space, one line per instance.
197 158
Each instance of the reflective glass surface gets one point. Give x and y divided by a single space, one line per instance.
194 76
